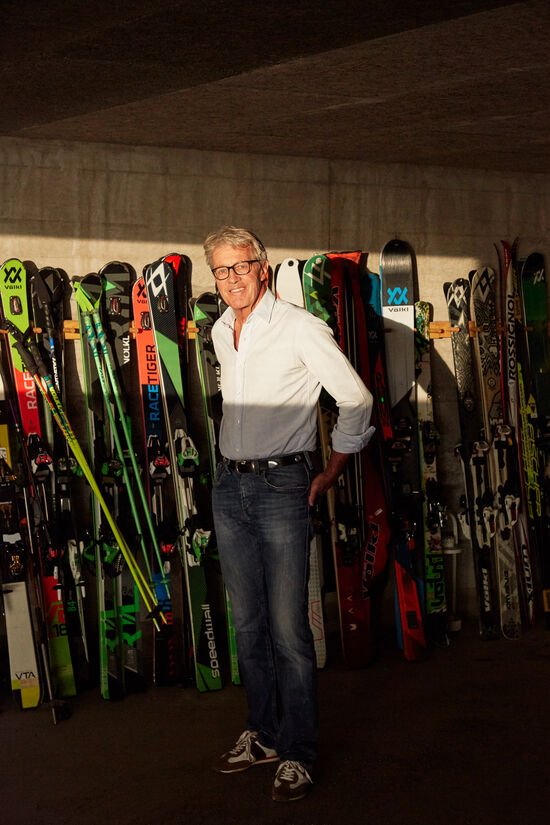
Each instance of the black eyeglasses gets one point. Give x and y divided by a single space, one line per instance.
220 273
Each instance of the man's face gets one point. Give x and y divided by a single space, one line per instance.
240 292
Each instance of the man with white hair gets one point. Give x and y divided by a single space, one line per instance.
274 358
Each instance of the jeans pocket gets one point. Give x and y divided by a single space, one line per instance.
292 479
221 470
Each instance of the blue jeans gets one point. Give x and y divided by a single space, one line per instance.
263 530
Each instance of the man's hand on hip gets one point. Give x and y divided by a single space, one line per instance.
324 481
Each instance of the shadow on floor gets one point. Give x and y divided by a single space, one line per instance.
459 738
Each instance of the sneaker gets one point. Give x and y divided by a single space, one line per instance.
246 753
292 781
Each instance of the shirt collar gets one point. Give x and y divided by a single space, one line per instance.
263 311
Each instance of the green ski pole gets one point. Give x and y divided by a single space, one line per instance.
88 307
33 363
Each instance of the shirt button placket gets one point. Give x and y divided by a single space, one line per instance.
240 394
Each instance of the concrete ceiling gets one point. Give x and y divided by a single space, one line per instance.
448 82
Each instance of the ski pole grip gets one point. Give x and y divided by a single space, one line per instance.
40 365
26 357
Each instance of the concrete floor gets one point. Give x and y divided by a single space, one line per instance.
461 738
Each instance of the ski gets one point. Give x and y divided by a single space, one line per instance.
112 327
47 291
529 448
166 670
14 563
165 314
205 311
397 273
510 332
432 506
498 434
478 514
533 289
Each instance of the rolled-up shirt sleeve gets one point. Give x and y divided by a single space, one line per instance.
344 443
331 368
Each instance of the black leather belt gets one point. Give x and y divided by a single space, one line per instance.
258 465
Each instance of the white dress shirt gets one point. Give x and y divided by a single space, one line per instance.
271 384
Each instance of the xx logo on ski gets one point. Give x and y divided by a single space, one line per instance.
485 282
13 275
538 276
157 279
397 296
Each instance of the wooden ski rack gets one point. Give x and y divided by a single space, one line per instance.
190 330
70 330
437 329
441 329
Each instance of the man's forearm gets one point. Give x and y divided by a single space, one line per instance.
324 481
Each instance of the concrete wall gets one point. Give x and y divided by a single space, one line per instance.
77 206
